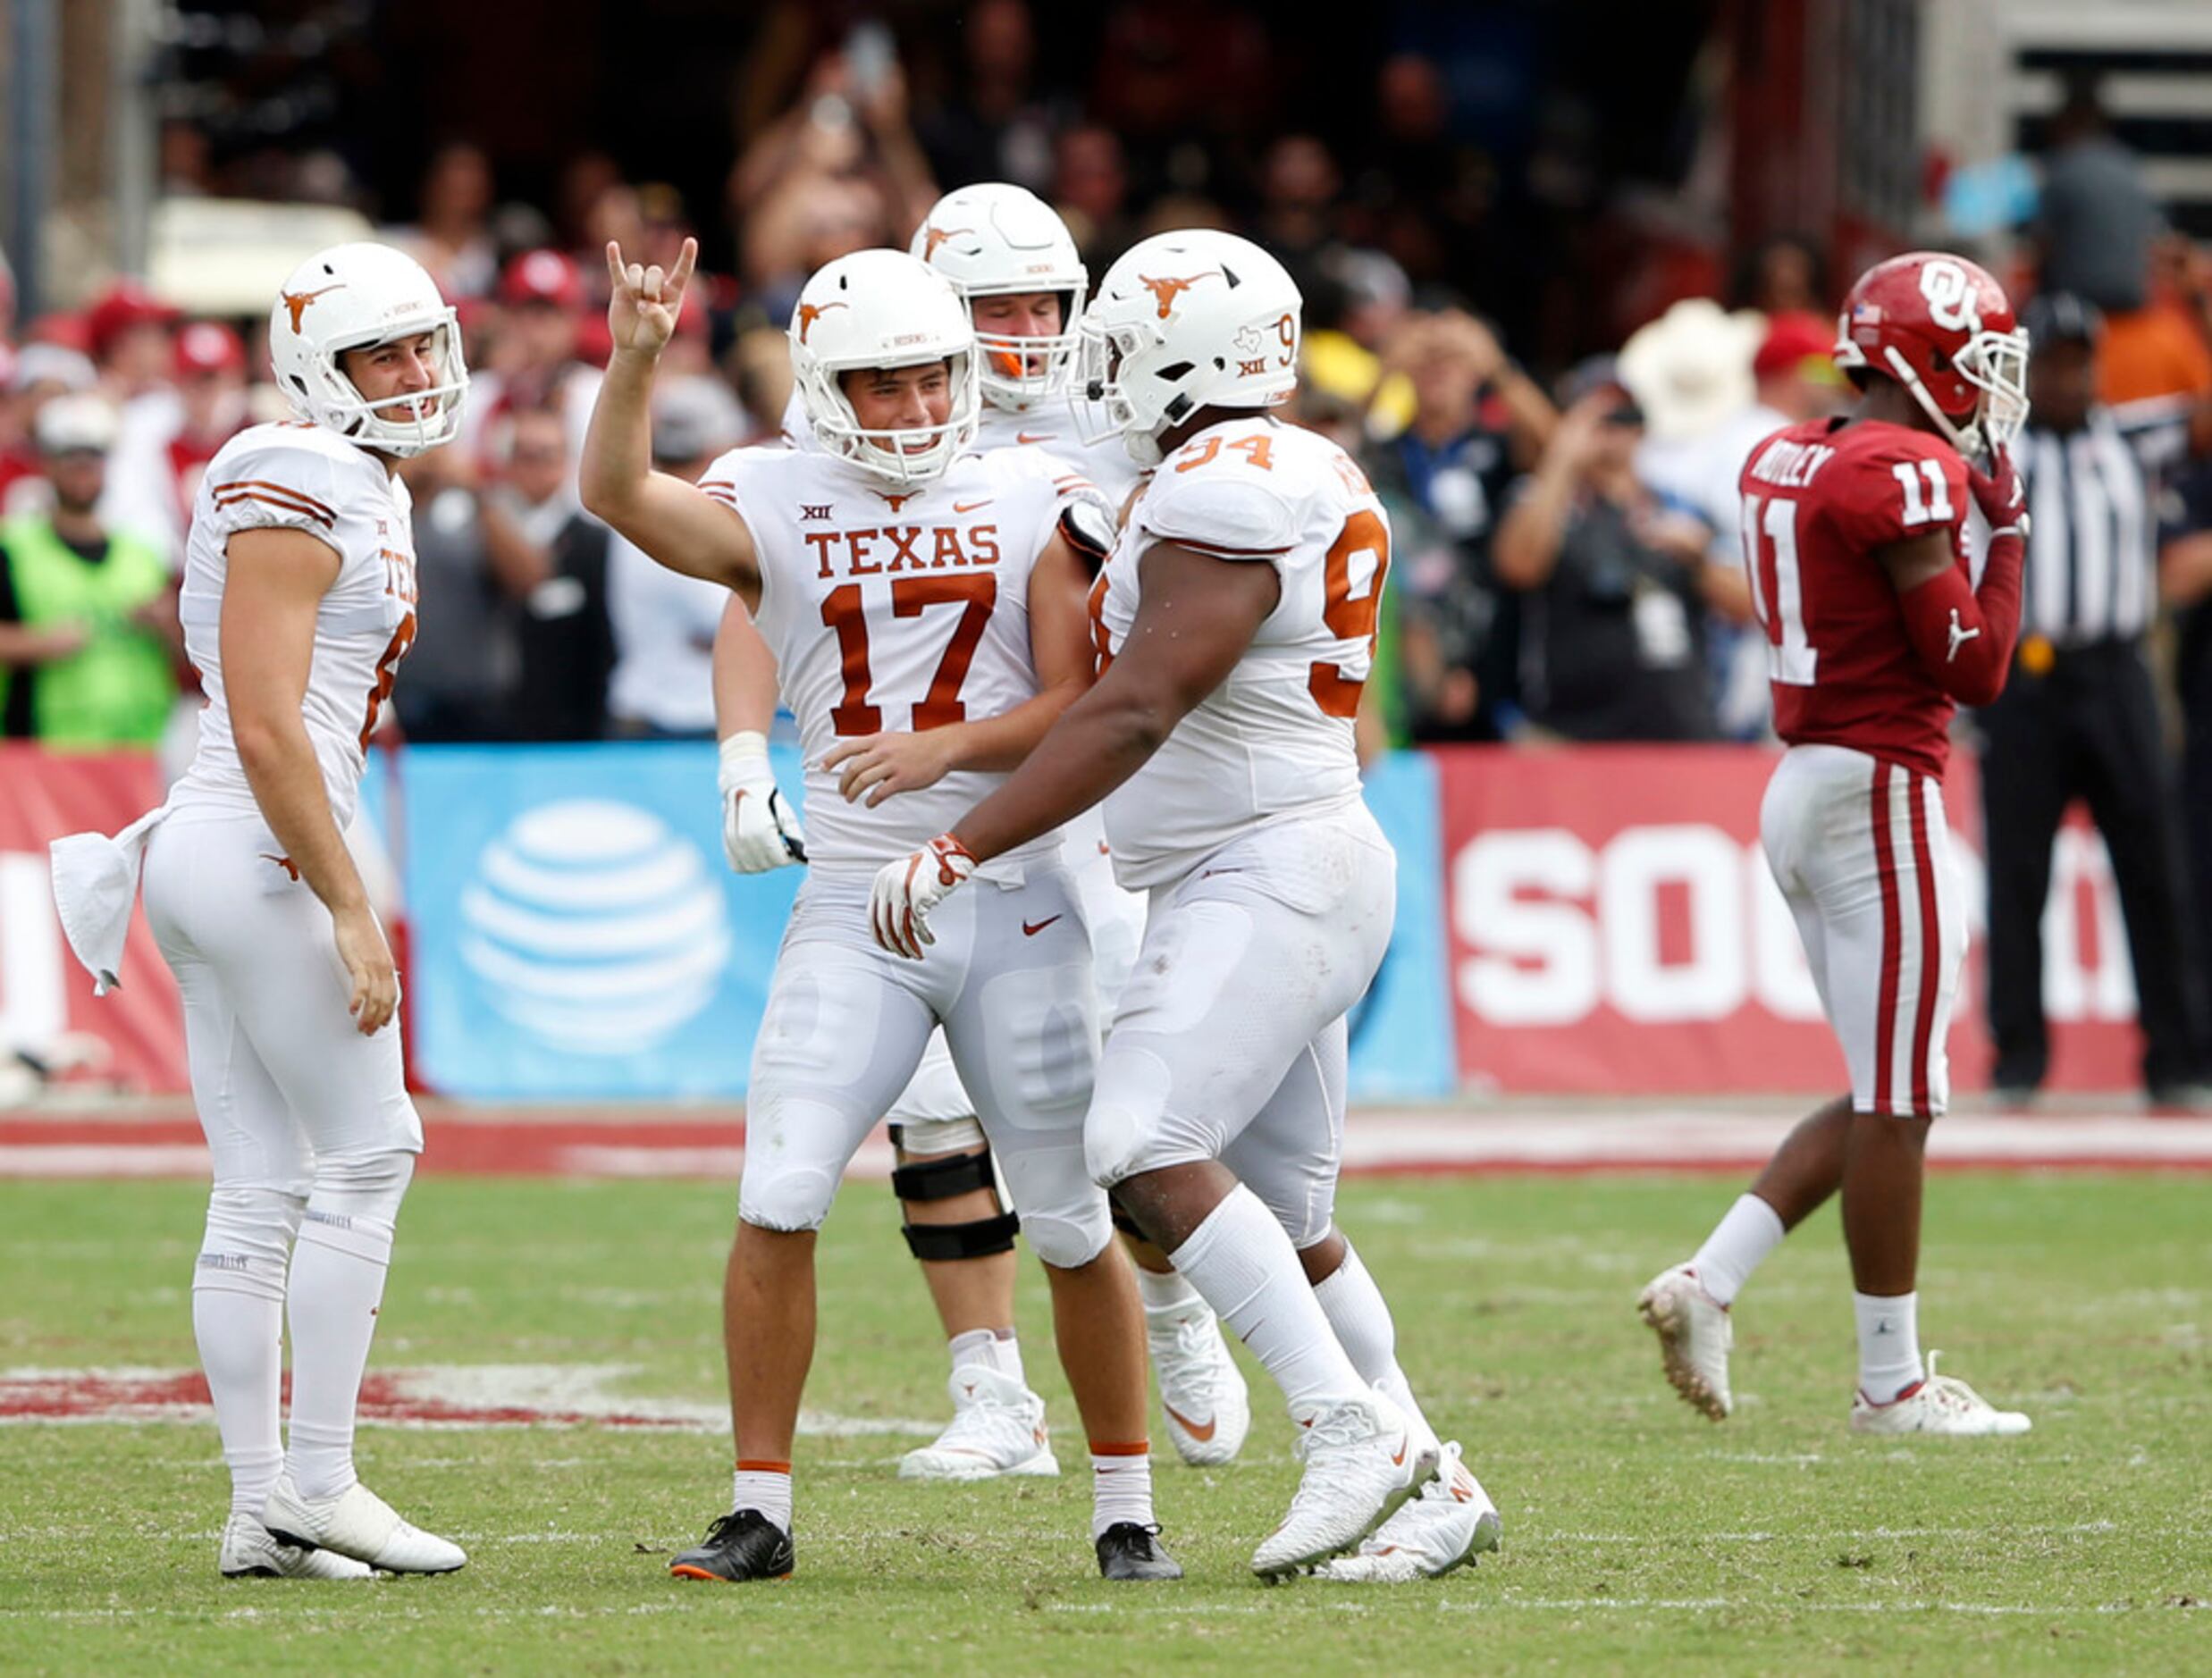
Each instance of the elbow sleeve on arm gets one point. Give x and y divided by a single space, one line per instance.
1964 638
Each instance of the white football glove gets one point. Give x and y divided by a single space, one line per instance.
759 831
906 891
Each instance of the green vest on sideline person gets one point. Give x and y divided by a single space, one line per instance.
119 689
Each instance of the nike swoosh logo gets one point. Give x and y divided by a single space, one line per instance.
1028 931
1398 1460
1023 437
970 506
1201 1434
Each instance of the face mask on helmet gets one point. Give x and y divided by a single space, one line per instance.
1018 369
1116 394
1996 364
409 422
900 455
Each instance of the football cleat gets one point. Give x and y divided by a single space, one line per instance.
998 1429
1446 1527
1941 1403
1201 1388
250 1551
1362 1462
1127 1551
743 1544
1695 1334
358 1523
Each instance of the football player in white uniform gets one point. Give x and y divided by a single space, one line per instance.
1236 621
1008 254
897 579
299 603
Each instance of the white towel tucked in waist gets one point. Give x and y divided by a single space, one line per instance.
95 884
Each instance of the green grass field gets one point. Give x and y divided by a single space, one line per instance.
1638 1536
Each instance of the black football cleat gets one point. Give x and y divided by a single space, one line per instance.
1127 1551
745 1545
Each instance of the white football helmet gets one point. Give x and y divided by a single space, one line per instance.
883 308
1185 321
353 296
994 239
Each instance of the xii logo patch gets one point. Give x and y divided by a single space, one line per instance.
808 511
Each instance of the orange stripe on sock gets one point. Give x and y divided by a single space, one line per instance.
748 1465
1142 1447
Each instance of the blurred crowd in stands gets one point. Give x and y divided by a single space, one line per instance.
1566 561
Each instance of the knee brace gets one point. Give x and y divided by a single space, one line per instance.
944 1179
248 1241
355 1203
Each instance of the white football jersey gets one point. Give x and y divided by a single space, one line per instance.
893 610
1274 740
1105 465
297 477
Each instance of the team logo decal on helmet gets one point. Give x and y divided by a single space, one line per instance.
297 301
932 237
809 313
1167 290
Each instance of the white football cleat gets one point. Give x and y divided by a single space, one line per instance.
1201 1388
358 1523
1445 1528
251 1552
1941 1403
1695 1335
998 1429
1362 1462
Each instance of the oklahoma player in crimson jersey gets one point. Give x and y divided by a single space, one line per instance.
1852 535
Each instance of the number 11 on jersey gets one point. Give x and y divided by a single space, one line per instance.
1769 531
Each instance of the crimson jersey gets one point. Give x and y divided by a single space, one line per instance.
1819 500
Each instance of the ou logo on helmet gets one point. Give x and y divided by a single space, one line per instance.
1950 294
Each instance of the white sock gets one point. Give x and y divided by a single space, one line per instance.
993 1349
337 1289
1360 1317
1169 1295
1121 1487
765 1487
1244 1266
1750 1230
239 1327
1888 1344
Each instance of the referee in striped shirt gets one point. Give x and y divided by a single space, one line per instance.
2079 718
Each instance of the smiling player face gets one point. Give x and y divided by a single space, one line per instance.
917 399
404 365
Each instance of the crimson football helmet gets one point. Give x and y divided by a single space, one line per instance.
1943 329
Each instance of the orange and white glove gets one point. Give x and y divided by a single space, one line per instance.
907 890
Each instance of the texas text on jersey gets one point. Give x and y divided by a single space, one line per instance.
302 477
1276 738
893 610
1819 500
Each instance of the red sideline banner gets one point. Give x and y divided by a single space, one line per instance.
1615 928
44 994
